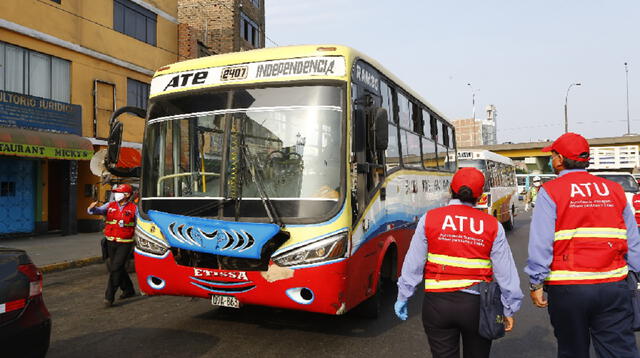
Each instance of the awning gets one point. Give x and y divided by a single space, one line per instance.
35 144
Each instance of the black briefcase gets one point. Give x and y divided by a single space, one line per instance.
633 280
491 311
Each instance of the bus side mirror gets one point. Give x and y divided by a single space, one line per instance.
381 128
115 141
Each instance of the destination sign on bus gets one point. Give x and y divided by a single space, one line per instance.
306 66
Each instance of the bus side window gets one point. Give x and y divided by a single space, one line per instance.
443 153
405 109
453 160
429 159
410 145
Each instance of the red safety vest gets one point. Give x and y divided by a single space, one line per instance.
120 224
459 242
590 235
636 207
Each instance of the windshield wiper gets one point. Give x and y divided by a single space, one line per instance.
257 178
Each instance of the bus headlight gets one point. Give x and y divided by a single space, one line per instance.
149 243
330 248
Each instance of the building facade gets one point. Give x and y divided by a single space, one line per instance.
65 66
472 132
210 27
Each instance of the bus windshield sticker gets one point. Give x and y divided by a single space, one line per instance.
333 66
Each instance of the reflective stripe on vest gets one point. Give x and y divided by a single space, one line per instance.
118 239
431 284
458 261
114 222
562 275
603 232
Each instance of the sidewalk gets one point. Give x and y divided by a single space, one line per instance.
55 252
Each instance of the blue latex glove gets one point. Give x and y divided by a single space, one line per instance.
401 309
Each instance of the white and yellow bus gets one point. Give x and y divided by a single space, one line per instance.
500 191
289 177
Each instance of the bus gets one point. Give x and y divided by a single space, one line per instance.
289 177
500 190
525 181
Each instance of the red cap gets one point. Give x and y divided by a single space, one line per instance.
572 146
122 188
469 177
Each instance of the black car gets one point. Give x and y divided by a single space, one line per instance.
25 322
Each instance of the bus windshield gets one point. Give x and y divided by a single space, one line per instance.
283 143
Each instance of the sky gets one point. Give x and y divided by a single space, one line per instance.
520 56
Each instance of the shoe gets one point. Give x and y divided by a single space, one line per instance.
107 303
126 295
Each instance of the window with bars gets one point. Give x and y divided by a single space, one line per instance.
134 20
34 73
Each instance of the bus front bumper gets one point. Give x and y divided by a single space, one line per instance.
320 288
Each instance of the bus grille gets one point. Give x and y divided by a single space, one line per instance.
192 258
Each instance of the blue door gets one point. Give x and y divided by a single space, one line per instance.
16 196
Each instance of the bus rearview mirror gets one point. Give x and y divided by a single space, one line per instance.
381 128
114 142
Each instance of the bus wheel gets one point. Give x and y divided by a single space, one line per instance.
508 225
370 308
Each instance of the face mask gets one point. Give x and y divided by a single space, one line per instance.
118 196
536 183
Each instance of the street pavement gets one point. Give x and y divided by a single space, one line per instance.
185 327
56 251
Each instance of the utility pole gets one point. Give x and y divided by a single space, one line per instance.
626 70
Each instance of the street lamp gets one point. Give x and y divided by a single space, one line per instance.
566 121
473 100
626 70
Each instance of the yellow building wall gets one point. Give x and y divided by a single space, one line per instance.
89 23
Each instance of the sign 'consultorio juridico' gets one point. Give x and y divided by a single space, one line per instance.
29 112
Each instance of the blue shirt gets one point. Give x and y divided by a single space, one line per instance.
504 269
102 210
543 229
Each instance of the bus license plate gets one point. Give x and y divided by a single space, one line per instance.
225 301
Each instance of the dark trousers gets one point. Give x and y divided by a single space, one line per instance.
118 276
601 312
446 316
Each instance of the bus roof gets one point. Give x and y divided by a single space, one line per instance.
283 53
482 154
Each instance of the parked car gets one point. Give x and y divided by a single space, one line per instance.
25 322
628 182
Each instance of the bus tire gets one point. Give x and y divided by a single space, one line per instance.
508 225
370 308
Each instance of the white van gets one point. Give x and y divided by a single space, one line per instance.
628 182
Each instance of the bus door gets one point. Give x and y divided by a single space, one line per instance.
369 130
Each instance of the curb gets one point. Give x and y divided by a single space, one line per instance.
70 264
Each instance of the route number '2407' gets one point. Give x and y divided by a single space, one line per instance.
234 73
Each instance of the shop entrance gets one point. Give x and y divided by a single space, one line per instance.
17 199
56 199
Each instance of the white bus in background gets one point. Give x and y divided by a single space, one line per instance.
500 189
525 181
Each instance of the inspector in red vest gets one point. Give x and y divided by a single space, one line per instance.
459 242
121 222
636 207
590 241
